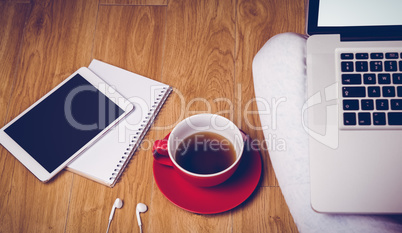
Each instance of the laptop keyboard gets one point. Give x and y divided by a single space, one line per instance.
371 89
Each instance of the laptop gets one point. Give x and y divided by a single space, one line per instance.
354 106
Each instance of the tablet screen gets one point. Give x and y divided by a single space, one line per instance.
60 125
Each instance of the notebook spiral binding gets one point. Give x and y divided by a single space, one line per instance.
139 135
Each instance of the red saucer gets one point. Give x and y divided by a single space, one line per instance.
214 199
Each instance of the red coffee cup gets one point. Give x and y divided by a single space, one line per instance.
164 150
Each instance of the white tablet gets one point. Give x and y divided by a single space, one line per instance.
63 123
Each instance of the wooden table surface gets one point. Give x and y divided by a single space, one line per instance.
204 49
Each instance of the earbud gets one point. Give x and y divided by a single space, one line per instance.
141 208
118 203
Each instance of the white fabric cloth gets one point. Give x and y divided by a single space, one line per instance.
279 71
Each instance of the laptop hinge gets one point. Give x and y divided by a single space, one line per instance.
380 36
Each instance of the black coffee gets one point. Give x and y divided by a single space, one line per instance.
205 153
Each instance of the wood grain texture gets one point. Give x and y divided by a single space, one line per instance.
53 46
12 20
257 21
15 1
265 211
199 58
135 38
135 2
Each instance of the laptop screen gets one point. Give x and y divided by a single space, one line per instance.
356 19
359 13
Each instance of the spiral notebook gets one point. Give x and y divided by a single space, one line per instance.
105 160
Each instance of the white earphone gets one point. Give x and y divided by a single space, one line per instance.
141 208
118 203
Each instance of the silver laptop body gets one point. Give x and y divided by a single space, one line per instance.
355 143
